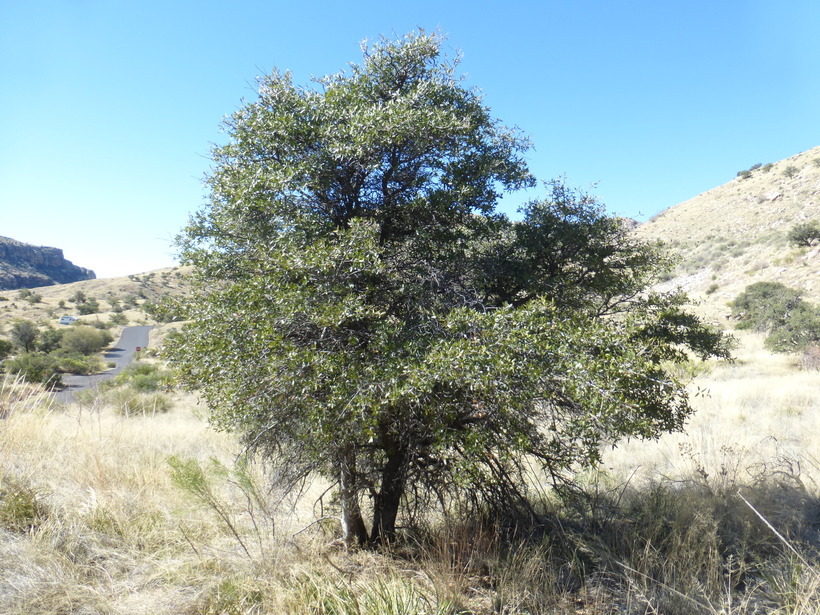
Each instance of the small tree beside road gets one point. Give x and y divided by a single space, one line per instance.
24 335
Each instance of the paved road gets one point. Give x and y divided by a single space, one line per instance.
121 355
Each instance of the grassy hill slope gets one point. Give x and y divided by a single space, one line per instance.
131 292
736 234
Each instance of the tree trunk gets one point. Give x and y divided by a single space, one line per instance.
353 528
386 501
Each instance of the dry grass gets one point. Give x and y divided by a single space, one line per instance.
759 406
110 526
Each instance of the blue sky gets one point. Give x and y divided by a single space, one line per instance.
109 107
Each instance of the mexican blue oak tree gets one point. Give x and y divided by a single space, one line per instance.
362 311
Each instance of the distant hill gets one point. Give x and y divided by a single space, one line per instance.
26 266
736 234
126 298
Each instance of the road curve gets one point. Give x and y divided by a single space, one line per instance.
121 355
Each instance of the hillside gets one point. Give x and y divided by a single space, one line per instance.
45 305
736 234
26 266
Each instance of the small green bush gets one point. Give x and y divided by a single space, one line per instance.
792 324
118 318
49 339
20 508
129 302
34 367
103 325
747 173
144 377
790 171
767 167
91 306
85 340
165 310
764 305
76 363
5 348
799 330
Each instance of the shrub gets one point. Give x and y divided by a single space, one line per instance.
85 340
790 171
118 318
712 288
76 363
767 167
747 173
103 325
165 310
34 367
792 323
129 302
20 508
798 330
91 306
805 233
763 305
49 340
144 377
78 297
5 348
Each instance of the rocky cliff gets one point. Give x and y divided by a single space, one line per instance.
25 266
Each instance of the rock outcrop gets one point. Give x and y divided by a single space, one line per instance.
26 266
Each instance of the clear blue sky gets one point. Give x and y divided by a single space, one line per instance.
109 107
